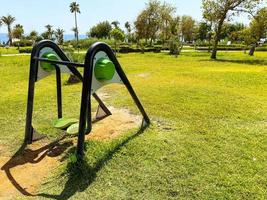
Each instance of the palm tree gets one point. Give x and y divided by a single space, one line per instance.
75 8
59 33
49 31
75 31
33 36
115 24
128 27
8 21
17 33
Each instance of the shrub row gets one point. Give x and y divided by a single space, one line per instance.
25 50
155 49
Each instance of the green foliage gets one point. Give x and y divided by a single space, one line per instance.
25 50
86 43
23 43
48 34
59 34
8 21
147 29
117 34
217 11
101 30
203 31
175 47
258 25
188 28
18 31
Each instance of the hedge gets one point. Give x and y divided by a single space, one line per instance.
25 50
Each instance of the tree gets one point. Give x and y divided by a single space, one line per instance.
75 8
101 30
117 35
218 11
166 17
203 30
188 28
33 36
8 21
115 24
48 34
246 35
148 21
59 33
228 29
175 27
128 27
17 33
75 31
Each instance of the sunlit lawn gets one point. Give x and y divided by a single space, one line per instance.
208 138
10 50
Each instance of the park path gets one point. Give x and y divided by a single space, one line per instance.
23 174
18 54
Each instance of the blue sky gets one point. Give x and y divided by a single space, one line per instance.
35 14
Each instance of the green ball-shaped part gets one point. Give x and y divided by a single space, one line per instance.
104 70
47 66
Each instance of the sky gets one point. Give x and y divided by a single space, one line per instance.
35 14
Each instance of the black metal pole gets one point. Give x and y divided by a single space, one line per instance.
59 92
85 112
28 128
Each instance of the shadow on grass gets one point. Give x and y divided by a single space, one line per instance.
81 174
239 61
27 156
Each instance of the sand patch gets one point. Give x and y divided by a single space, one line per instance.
115 125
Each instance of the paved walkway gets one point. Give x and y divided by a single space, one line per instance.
19 54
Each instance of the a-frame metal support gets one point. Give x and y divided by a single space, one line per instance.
85 125
85 121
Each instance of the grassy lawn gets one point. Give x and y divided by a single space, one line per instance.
208 138
11 50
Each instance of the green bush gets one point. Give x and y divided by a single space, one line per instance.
87 43
263 48
25 50
23 43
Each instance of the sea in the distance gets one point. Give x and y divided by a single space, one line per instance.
67 37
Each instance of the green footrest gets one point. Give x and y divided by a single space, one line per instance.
64 123
73 129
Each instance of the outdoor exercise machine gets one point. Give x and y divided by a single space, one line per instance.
100 68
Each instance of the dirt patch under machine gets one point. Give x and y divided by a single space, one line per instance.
23 174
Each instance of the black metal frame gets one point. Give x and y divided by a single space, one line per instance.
85 121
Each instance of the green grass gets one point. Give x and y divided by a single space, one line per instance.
207 140
11 50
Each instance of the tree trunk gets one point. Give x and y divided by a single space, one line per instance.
209 44
216 40
151 40
252 50
74 79
9 35
76 27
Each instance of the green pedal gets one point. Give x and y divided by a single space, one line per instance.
73 129
64 123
